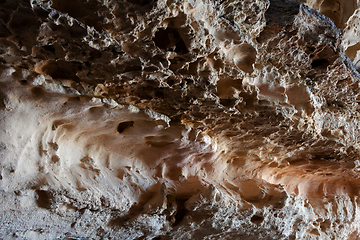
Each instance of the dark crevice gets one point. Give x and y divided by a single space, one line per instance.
181 211
320 63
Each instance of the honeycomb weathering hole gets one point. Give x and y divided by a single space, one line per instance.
124 125
244 57
257 219
43 199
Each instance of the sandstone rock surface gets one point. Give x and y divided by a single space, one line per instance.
179 119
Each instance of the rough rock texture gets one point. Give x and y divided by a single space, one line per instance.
179 119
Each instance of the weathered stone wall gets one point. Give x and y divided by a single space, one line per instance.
182 119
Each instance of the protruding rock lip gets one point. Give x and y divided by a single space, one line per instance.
338 11
314 184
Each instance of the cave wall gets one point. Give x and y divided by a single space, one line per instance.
179 119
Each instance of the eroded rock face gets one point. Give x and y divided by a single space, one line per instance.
179 119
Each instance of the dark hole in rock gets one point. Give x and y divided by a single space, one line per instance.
181 211
23 82
256 219
124 125
320 63
95 54
43 199
170 38
132 68
188 81
162 39
49 48
37 91
171 82
61 69
157 238
142 2
181 47
55 159
228 102
151 69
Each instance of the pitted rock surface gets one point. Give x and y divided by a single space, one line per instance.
179 119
